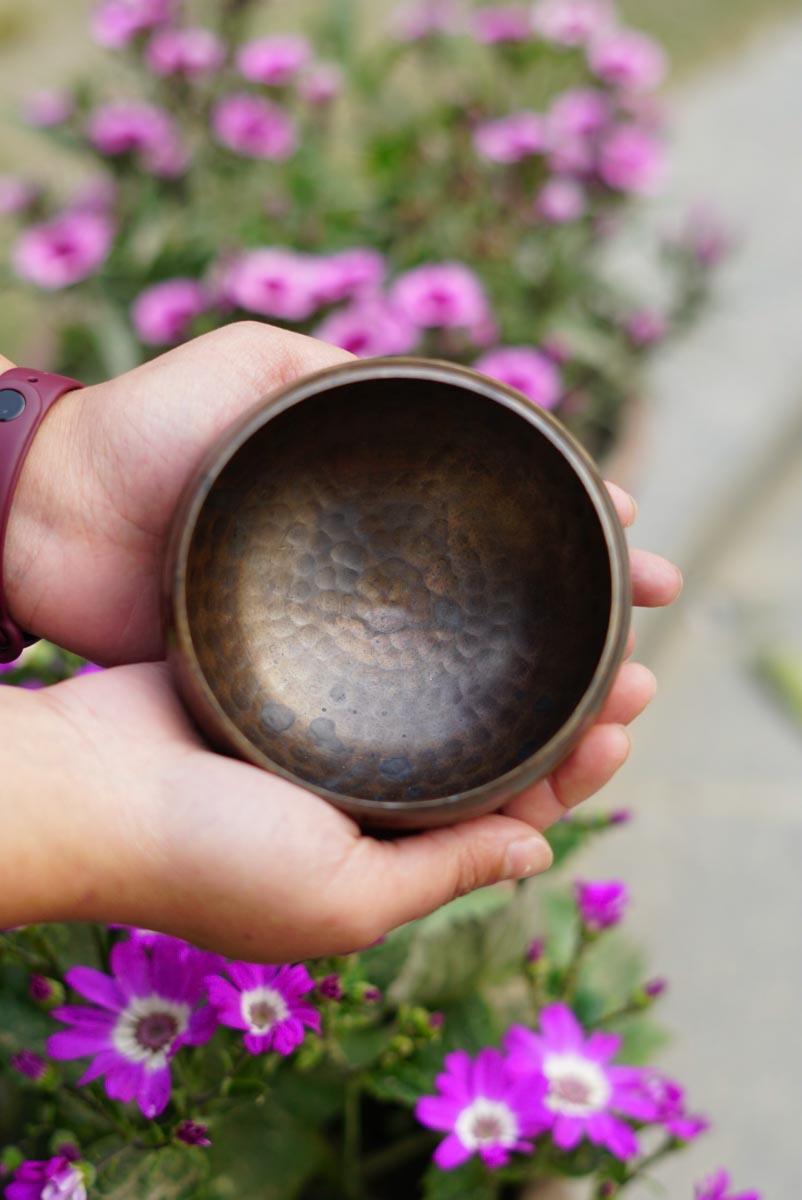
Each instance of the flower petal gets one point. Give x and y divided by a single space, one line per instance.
154 1091
227 1001
122 1081
96 986
76 1043
561 1028
567 1131
601 1047
451 1153
131 967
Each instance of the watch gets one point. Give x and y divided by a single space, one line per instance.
26 397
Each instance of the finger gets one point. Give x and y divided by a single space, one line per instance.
655 581
400 881
625 505
629 649
634 688
592 764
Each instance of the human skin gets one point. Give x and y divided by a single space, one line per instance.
112 808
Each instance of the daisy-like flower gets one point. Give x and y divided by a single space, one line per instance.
369 328
502 23
163 313
145 130
629 60
267 1003
191 52
571 22
511 139
526 369
561 200
587 1095
139 1017
62 251
46 1179
601 904
254 127
273 61
483 1110
718 1188
632 159
353 272
441 296
657 1100
274 282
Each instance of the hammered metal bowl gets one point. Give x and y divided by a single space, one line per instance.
401 585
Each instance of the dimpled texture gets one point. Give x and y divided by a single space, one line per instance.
398 591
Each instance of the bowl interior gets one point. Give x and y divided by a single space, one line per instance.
398 589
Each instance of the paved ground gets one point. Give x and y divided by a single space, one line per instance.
716 778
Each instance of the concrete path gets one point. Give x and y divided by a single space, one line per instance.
715 856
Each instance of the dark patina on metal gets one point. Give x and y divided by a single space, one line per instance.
401 585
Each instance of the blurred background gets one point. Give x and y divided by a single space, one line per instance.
713 857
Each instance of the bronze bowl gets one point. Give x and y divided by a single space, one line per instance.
400 585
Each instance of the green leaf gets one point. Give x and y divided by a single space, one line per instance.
169 1174
470 1182
263 1151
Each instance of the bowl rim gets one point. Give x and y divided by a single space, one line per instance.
223 730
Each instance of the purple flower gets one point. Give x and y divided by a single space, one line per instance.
48 107
525 369
620 816
631 159
193 1134
274 282
578 112
441 296
535 950
561 200
372 995
718 1188
586 1093
321 83
50 1179
655 988
140 129
267 1002
139 1017
29 1064
116 22
254 127
15 195
601 904
628 60
62 251
426 19
645 327
348 273
655 1099
511 139
191 52
502 23
369 328
331 987
571 22
40 988
163 313
483 1109
273 60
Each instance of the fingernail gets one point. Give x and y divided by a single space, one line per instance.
680 582
634 504
528 856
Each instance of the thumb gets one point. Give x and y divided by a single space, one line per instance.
398 881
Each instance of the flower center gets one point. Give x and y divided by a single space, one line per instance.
486 1123
147 1029
263 1008
577 1086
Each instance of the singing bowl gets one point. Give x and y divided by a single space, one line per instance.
399 584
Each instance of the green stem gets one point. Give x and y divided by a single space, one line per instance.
572 974
352 1138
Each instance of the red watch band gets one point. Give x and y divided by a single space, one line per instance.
25 399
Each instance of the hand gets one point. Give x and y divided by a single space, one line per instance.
93 507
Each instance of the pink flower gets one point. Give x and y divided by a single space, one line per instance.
29 1064
645 327
267 1003
601 904
116 22
655 1099
525 369
15 195
628 60
254 127
561 200
140 1015
587 1094
578 112
349 273
273 60
321 83
48 107
441 296
369 328
191 52
193 1134
510 139
632 160
274 282
163 313
64 250
483 1109
425 19
718 1188
571 22
502 23
46 1179
140 129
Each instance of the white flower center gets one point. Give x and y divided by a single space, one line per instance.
147 1029
67 1185
577 1086
263 1008
487 1123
